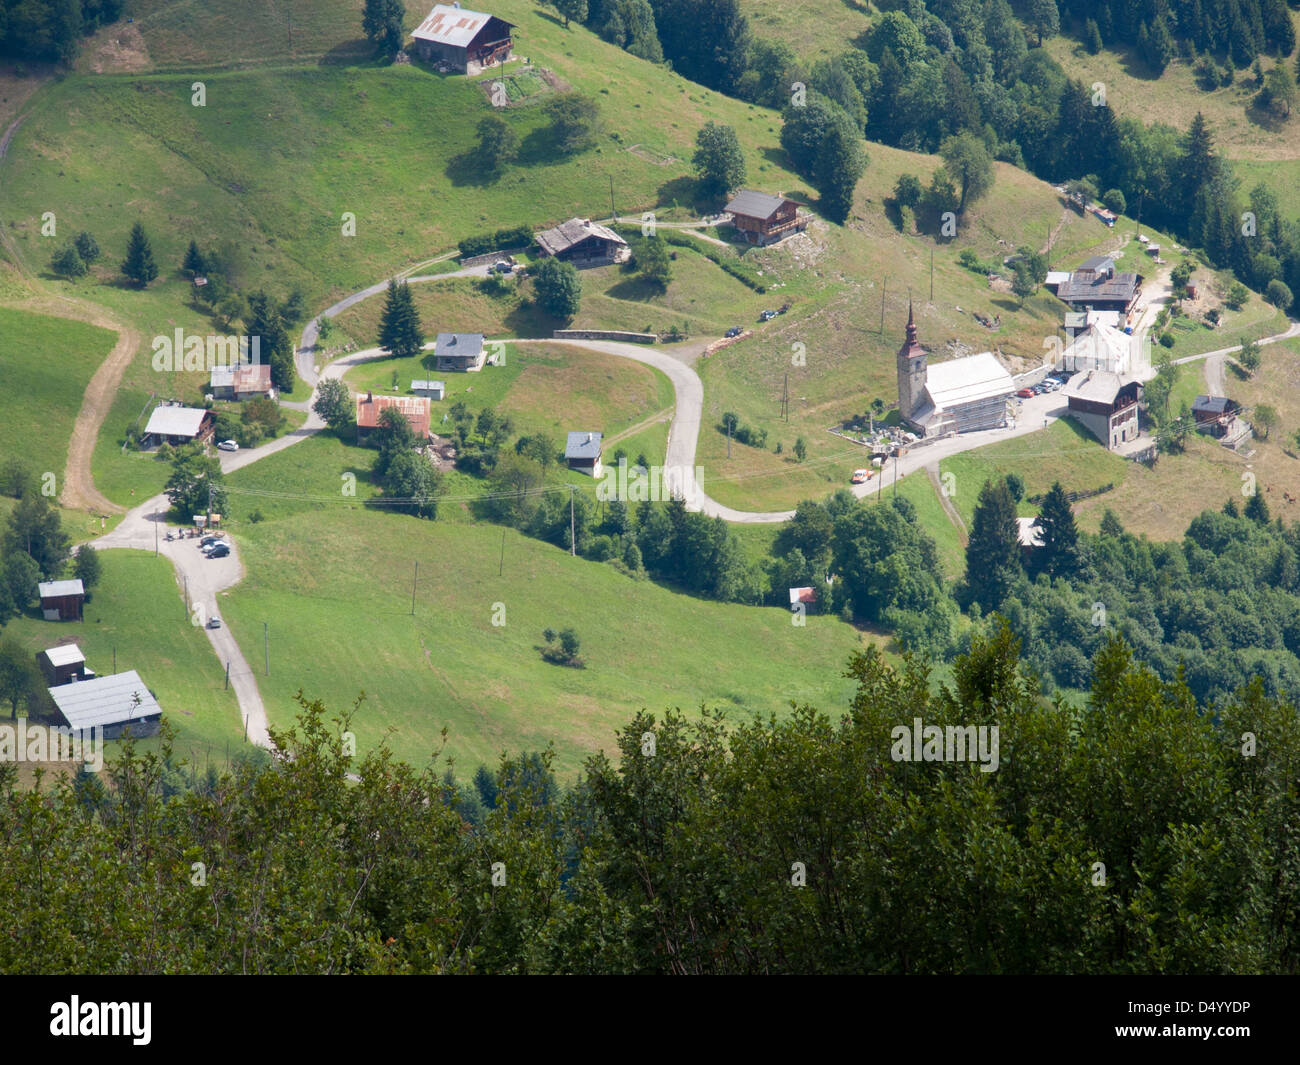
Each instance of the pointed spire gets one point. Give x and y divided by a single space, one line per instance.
911 323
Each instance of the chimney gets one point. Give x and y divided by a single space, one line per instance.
370 397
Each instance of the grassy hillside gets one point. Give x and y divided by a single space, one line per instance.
45 365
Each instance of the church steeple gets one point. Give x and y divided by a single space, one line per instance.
911 368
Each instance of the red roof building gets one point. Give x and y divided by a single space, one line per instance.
415 409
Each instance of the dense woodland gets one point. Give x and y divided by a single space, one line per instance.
1138 834
52 29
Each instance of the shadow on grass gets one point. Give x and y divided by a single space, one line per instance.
636 289
471 168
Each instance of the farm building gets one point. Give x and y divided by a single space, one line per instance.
1096 286
807 596
62 664
1106 404
244 380
765 219
583 242
460 352
468 41
431 389
176 425
62 600
957 396
414 408
1099 347
582 453
1214 414
113 703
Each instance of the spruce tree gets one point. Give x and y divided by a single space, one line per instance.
993 553
1257 509
138 264
399 327
1092 37
193 260
1060 535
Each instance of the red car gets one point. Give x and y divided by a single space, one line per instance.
1025 393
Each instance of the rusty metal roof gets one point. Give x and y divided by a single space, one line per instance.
454 26
414 408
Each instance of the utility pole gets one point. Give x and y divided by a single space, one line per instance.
785 397
266 646
613 214
414 581
895 474
884 285
728 438
501 567
573 536
227 674
931 275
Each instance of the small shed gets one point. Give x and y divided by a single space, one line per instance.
460 352
114 703
62 664
807 596
582 453
62 600
1214 414
430 389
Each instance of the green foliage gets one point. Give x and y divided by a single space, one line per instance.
630 24
195 483
498 144
558 288
1114 200
400 333
139 265
1060 550
907 191
1279 294
87 567
993 551
652 261
21 682
719 162
87 247
502 239
67 262
381 22
571 9
1264 419
334 404
35 529
575 120
968 162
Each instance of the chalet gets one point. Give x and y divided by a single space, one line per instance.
1096 286
1099 347
240 381
957 396
1106 404
114 704
62 664
1214 415
62 600
582 453
468 41
432 389
764 219
583 242
414 408
460 352
176 425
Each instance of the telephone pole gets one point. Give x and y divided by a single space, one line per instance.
573 537
884 285
501 567
613 214
785 397
414 581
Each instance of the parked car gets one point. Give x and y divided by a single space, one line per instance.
1025 393
767 316
220 550
734 331
214 622
211 539
228 445
503 267
861 476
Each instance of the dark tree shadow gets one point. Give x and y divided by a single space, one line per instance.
1264 118
635 289
471 168
1011 306
540 147
529 320
356 52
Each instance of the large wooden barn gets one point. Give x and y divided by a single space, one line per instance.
467 41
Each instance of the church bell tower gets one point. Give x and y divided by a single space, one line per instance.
911 370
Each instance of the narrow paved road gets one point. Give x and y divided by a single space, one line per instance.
1292 331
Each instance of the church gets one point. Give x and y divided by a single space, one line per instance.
957 396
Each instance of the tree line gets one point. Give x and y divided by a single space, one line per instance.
51 30
1137 833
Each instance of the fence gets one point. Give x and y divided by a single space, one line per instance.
604 334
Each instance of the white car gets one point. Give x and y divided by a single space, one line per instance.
227 445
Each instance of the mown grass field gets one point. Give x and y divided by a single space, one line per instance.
137 609
546 389
337 593
45 365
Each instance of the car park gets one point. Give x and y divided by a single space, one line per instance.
220 550
228 445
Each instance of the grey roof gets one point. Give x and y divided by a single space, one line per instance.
1212 404
175 421
66 654
582 446
966 380
1097 386
1085 286
428 385
458 345
573 232
755 204
105 700
1099 262
54 589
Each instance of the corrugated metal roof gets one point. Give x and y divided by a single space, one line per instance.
967 380
66 654
105 701
582 446
755 204
452 25
1085 286
414 408
54 589
175 421
458 345
568 234
803 595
